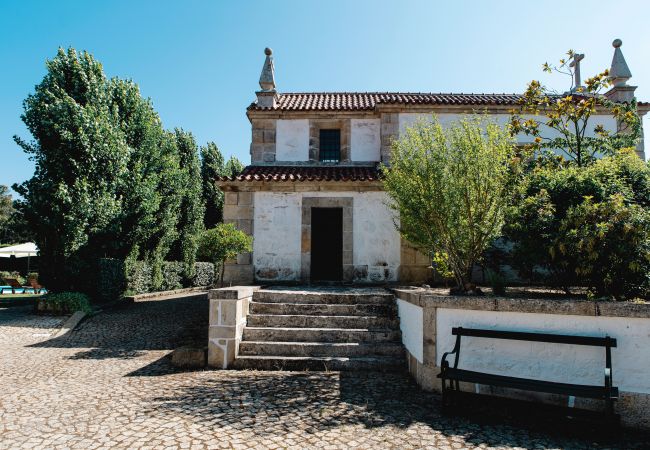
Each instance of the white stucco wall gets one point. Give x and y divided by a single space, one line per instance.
411 324
554 362
365 140
408 119
277 232
292 140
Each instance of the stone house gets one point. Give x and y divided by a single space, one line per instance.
312 198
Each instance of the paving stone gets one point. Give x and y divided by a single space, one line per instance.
110 384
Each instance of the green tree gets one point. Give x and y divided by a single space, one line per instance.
449 186
190 221
212 167
233 167
80 159
6 210
567 117
537 221
222 243
607 246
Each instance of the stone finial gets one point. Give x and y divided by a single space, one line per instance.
619 73
267 78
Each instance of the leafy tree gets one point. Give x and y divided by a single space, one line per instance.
567 115
212 167
221 243
449 187
80 158
6 209
536 221
190 222
606 245
109 180
233 167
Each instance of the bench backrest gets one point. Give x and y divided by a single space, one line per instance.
605 341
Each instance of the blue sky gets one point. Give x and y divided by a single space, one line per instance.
200 61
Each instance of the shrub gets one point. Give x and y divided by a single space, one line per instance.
544 199
173 275
65 303
203 274
139 277
448 186
6 274
117 278
607 245
112 281
221 243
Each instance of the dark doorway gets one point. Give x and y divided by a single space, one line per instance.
326 244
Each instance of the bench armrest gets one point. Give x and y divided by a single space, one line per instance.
455 351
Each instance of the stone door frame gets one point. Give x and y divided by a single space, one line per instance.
308 203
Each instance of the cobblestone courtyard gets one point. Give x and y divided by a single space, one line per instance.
109 384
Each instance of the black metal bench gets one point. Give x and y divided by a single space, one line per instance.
452 376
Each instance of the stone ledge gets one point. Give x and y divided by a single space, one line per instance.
232 293
579 307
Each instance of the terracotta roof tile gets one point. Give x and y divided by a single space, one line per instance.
307 173
356 101
360 101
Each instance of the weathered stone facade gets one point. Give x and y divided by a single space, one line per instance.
238 209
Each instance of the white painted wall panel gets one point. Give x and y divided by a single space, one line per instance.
292 140
412 327
554 362
408 119
277 230
365 140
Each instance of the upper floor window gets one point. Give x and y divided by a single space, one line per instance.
330 146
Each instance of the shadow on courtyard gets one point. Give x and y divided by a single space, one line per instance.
276 403
132 329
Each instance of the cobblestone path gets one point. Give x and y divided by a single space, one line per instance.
109 384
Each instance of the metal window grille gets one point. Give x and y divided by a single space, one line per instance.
330 146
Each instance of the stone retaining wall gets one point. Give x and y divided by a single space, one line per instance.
426 321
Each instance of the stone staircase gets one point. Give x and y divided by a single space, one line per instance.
326 329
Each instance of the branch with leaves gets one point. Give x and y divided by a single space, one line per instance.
569 115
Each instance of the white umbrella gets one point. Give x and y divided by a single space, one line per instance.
19 251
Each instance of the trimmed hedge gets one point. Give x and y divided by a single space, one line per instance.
64 303
116 278
204 274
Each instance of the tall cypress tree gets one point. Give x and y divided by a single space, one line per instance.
212 166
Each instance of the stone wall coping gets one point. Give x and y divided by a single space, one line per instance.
564 306
232 293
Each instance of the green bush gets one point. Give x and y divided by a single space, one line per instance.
111 279
6 274
117 278
203 274
538 219
173 275
65 303
607 246
221 243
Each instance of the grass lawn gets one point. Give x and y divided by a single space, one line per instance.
3 296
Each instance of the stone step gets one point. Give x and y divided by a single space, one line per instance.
302 363
304 321
342 349
309 297
329 335
323 309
